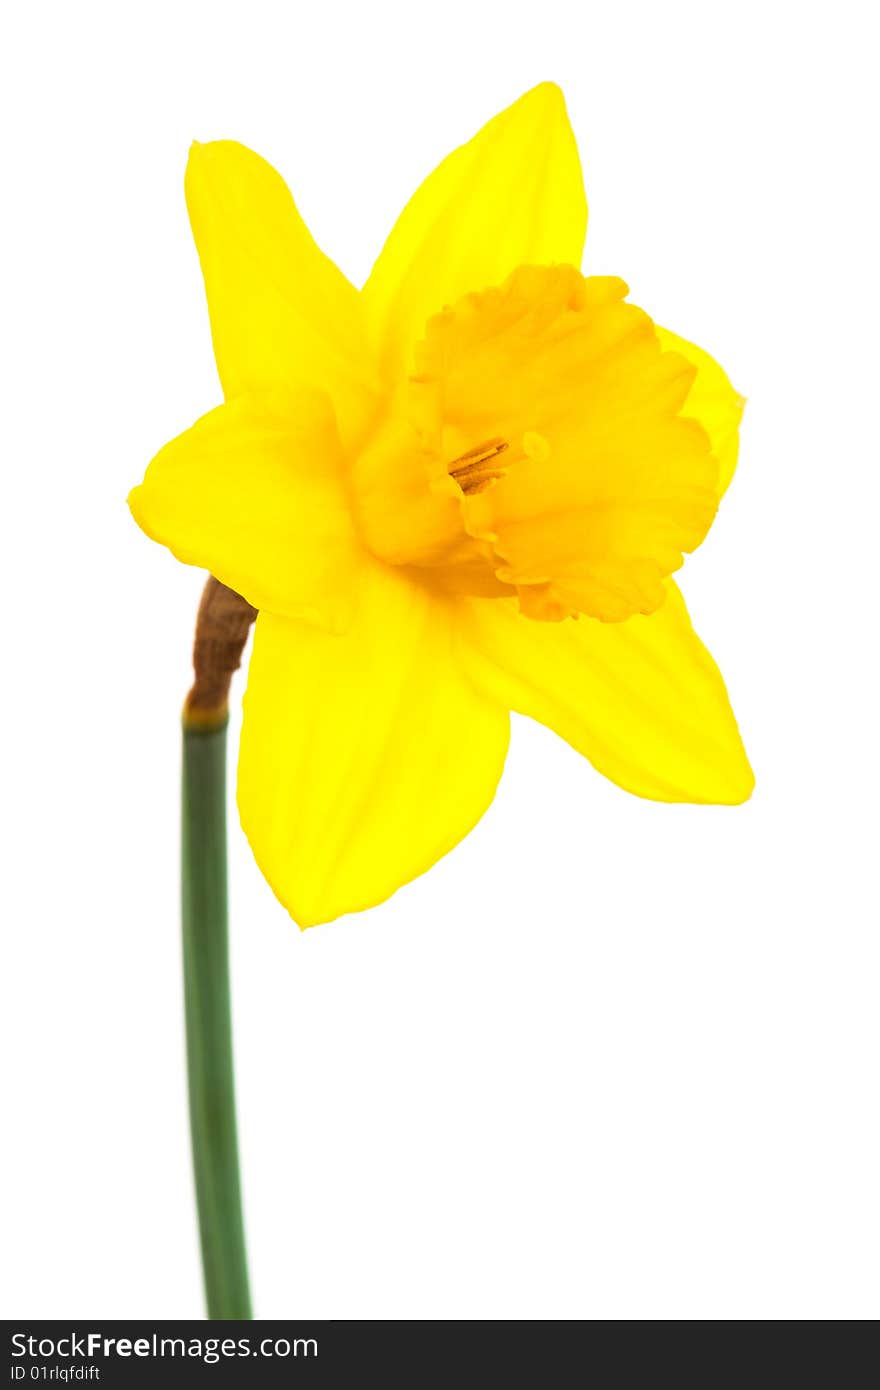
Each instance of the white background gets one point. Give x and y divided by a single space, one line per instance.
610 1059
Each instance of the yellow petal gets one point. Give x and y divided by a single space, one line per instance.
513 194
642 699
254 493
282 314
364 757
712 402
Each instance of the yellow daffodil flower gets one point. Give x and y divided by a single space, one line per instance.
459 491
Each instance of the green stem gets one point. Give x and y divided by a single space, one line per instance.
208 1021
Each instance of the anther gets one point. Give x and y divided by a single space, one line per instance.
475 470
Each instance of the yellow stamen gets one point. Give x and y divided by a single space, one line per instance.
474 471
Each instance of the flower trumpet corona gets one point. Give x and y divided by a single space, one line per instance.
460 491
